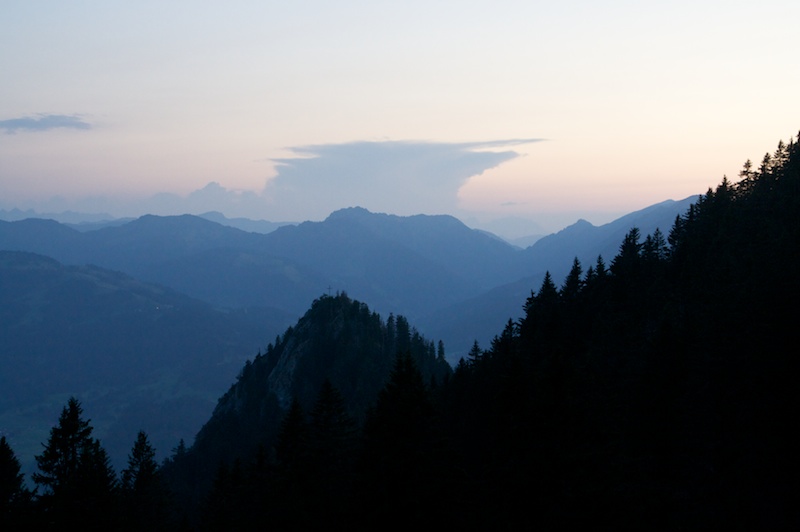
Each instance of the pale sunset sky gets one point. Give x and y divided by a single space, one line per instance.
546 111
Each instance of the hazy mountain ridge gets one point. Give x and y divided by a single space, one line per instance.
430 268
137 352
444 239
365 263
65 217
82 221
245 224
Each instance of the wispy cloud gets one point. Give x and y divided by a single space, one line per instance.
44 123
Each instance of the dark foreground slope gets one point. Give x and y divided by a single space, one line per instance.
657 393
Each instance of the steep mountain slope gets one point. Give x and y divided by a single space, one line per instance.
135 353
339 340
658 393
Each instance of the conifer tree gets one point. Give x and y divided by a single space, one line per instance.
75 473
475 354
654 248
403 331
180 450
572 284
143 490
142 467
600 270
97 482
627 261
541 315
61 459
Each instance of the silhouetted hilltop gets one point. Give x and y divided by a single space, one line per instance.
339 341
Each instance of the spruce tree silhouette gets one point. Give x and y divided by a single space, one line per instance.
78 482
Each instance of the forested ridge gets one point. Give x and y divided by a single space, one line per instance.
652 389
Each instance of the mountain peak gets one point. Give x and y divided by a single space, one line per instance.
349 213
580 226
339 340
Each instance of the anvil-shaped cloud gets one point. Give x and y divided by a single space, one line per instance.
399 177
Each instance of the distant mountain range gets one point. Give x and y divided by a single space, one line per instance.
410 265
92 221
429 268
178 302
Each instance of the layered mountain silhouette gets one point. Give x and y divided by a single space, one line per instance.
656 385
418 266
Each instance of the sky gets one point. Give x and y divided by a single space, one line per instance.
490 111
